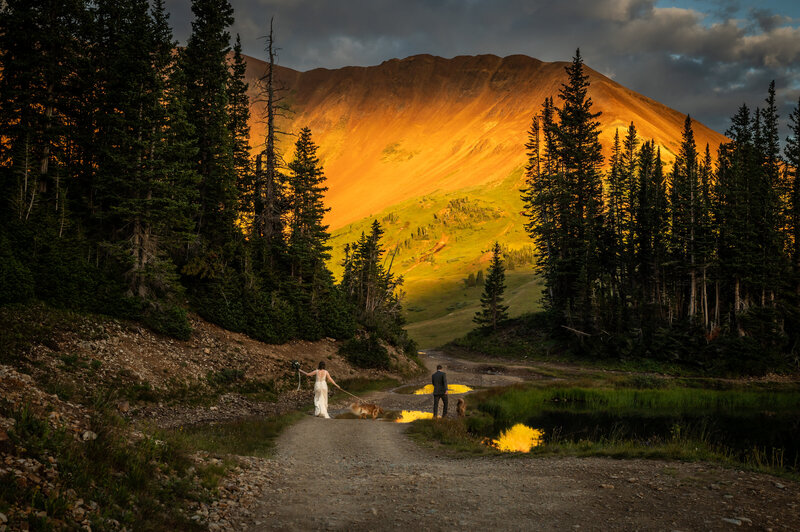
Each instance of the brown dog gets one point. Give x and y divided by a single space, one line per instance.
461 407
363 410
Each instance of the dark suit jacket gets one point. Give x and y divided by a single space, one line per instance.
439 380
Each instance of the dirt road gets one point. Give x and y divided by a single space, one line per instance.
345 474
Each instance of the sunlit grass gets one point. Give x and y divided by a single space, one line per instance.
434 281
439 311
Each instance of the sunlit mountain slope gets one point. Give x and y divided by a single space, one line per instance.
434 148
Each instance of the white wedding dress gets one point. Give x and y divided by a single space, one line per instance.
321 396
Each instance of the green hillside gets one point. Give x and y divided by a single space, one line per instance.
436 241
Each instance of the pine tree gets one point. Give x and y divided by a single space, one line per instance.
239 113
540 197
648 227
308 247
792 152
738 252
685 207
581 210
770 208
493 312
206 74
129 112
41 51
372 288
705 235
614 256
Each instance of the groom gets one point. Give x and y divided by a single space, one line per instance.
439 380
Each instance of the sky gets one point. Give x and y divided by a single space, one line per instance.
702 57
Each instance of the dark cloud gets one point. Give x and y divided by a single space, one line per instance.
705 57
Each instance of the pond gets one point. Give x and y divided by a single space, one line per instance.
748 426
775 437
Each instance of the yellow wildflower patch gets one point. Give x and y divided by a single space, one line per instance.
518 439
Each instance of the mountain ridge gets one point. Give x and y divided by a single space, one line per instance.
412 126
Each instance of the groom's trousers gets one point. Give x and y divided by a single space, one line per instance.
436 397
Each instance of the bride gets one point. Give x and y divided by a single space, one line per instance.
321 389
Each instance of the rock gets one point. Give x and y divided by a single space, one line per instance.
780 486
124 407
732 521
3 518
607 486
745 520
89 435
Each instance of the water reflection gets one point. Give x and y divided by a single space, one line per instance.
407 416
451 388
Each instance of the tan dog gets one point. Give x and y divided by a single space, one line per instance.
461 407
363 410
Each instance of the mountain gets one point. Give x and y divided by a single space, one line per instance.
434 148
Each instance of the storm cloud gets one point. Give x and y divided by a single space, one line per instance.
701 57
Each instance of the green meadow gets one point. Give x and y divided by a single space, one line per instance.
436 241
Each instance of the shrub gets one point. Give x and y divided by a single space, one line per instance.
16 281
170 320
225 376
366 352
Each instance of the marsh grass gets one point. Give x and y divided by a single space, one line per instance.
518 404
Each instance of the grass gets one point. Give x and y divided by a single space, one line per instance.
449 433
359 385
517 404
144 485
245 437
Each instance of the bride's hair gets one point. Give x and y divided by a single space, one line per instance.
322 364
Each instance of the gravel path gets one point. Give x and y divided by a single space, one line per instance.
345 474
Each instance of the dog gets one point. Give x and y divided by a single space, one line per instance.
461 407
363 410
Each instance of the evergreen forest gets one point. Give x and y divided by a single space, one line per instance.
697 263
130 185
